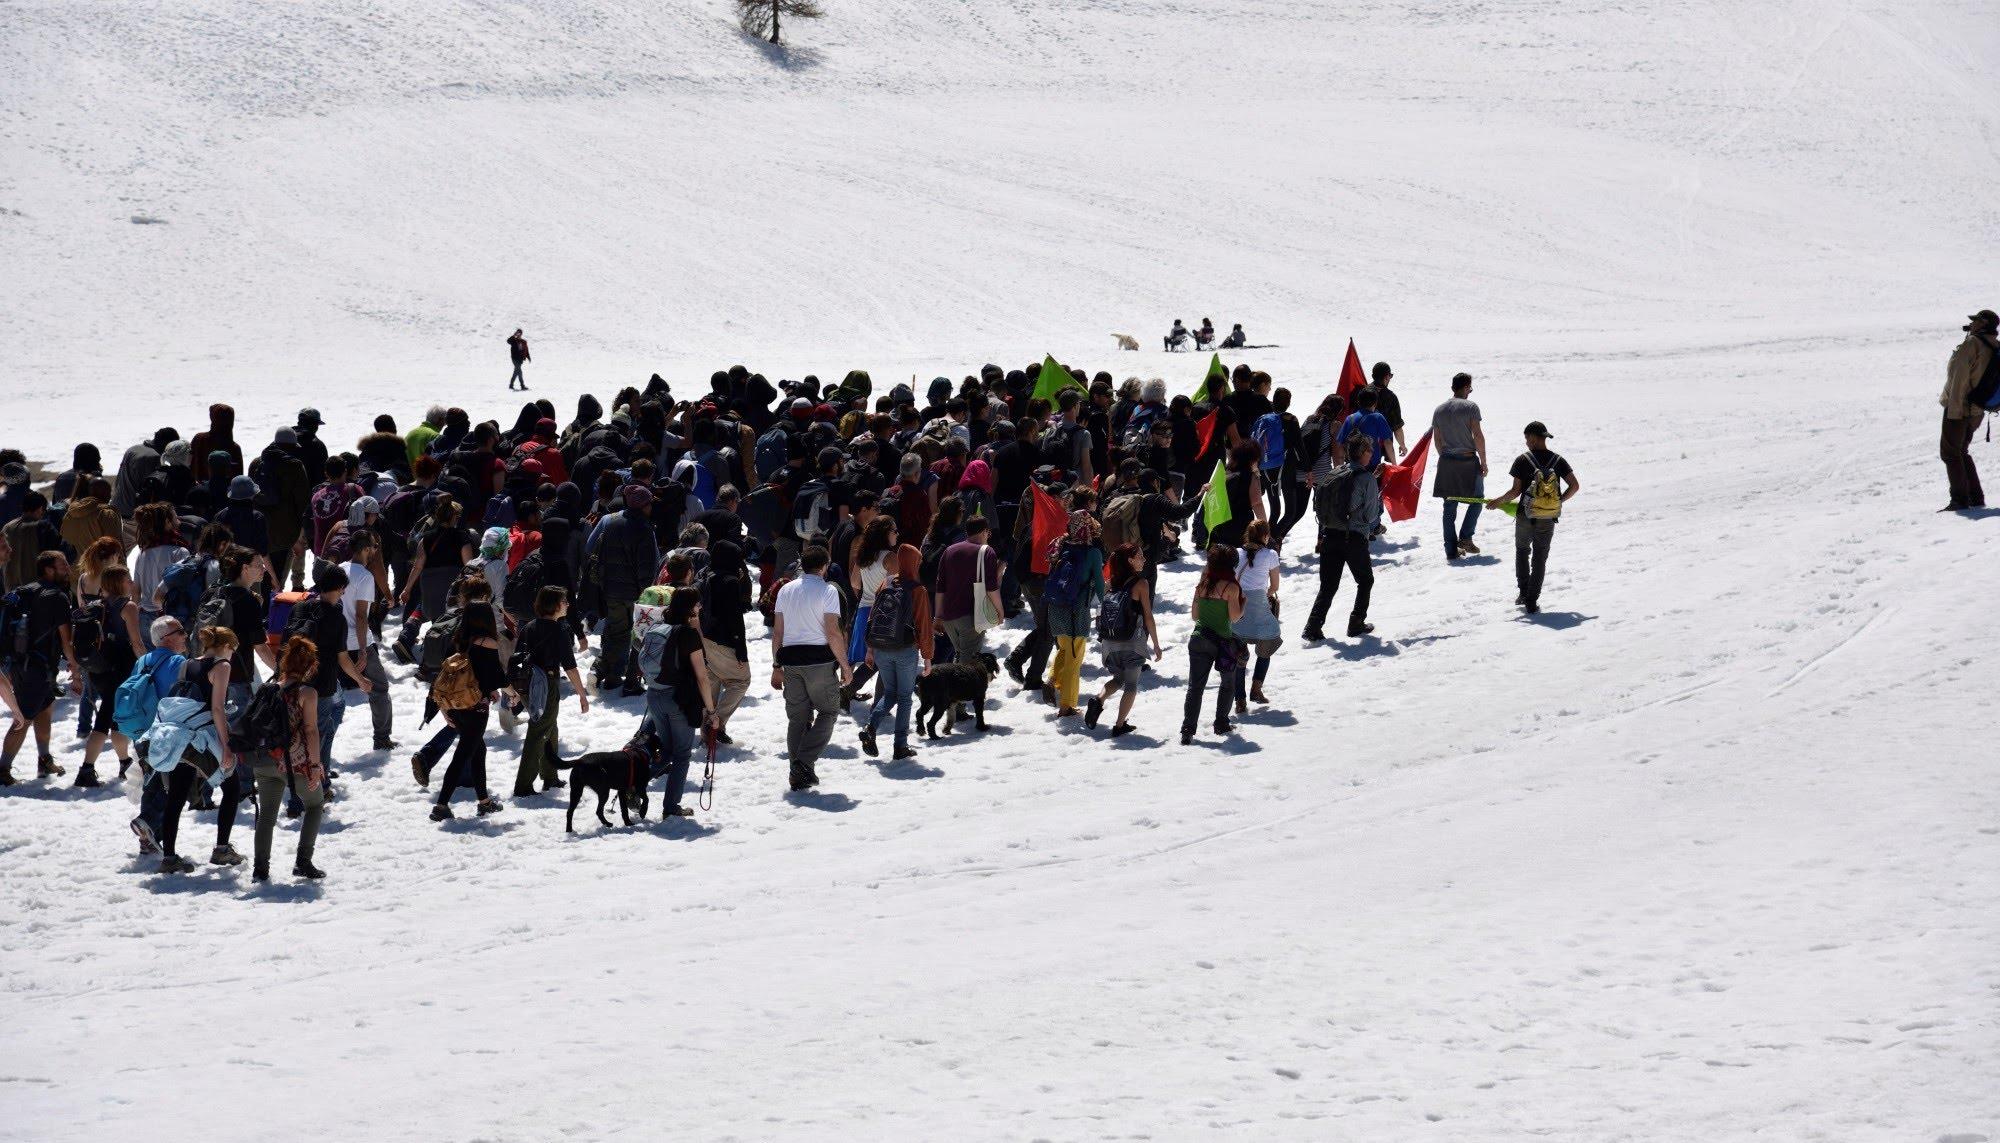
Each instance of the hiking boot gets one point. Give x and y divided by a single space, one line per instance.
868 744
225 854
1092 711
1049 695
1256 696
1356 629
385 744
1224 728
172 864
45 767
676 812
420 769
1014 673
1532 608
1122 729
1468 547
1313 635
306 869
723 739
401 654
1066 712
1242 706
527 793
124 766
6 775
904 754
1187 738
260 873
552 787
489 806
440 812
144 832
86 776
1451 557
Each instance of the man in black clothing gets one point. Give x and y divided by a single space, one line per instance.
1543 483
33 672
328 631
1388 404
312 453
721 521
625 554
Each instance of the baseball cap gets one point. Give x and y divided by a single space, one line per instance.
1537 429
310 416
1987 316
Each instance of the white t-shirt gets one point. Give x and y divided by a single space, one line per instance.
805 603
360 589
1255 574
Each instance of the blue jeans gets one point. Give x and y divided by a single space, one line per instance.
676 741
895 682
1454 535
439 743
331 710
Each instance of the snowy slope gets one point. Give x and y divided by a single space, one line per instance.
1710 851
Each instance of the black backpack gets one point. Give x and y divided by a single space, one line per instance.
1118 619
440 640
523 583
1059 447
265 725
892 623
305 619
1986 391
87 625
213 611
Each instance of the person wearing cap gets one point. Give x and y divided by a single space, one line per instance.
247 526
1461 465
1976 357
1543 483
517 350
312 451
625 553
1388 404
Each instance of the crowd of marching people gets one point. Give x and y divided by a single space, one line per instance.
209 604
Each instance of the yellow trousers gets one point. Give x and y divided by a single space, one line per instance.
1066 670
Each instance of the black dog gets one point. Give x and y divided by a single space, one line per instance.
947 685
625 770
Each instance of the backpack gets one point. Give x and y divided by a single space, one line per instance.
456 686
14 615
265 726
1119 618
1269 433
1985 392
182 587
87 625
138 698
277 619
520 668
1139 428
1541 493
1331 501
699 479
892 623
1121 521
437 643
329 507
1059 447
401 514
266 500
812 512
214 611
1065 583
523 584
774 449
304 620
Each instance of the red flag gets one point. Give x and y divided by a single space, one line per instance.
1351 378
1050 524
1204 429
1403 484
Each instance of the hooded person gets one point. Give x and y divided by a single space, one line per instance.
758 397
90 517
284 495
975 490
524 426
384 449
139 462
220 436
657 389
85 462
588 415
457 426
176 465
856 386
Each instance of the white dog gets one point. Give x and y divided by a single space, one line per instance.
1127 341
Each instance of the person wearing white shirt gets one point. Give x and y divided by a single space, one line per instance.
360 604
809 663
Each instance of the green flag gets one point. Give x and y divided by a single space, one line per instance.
1215 372
1510 507
1053 379
1215 506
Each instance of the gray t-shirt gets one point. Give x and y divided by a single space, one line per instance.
1451 426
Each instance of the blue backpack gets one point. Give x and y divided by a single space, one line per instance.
1269 433
774 448
1065 583
699 479
182 587
138 697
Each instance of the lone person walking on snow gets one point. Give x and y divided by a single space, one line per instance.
517 347
1543 482
1977 357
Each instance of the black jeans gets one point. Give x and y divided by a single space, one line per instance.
1031 654
179 784
1531 555
1297 499
1338 549
1206 652
468 758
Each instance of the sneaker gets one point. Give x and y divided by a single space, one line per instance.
401 654
420 769
868 744
1122 729
306 869
489 806
45 767
904 754
1468 547
1014 673
723 739
144 832
1187 738
1356 630
1092 711
676 812
260 873
527 793
225 855
173 864
124 767
86 776
1312 635
440 812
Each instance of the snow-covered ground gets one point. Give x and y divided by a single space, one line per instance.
1710 850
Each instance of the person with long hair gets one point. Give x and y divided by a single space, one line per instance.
159 549
1069 620
478 639
205 678
99 554
1245 489
296 766
679 701
1257 575
1218 604
873 560
443 549
1125 659
119 615
546 641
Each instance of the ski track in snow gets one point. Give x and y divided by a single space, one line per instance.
1707 851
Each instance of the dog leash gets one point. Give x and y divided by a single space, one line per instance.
706 799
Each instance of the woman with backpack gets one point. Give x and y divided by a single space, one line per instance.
1071 601
99 554
1257 576
119 647
549 653
1124 628
464 690
899 648
206 680
296 766
159 549
1218 604
679 701
443 550
872 561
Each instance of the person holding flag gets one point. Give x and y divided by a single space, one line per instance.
1543 483
1232 498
